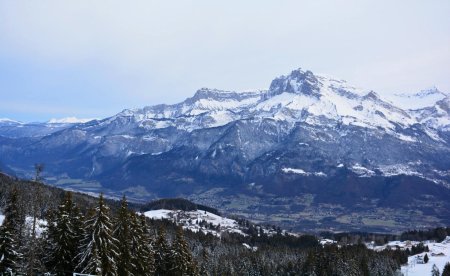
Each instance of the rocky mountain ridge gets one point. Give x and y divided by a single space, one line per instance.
303 134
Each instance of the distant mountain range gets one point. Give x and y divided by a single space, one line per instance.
311 151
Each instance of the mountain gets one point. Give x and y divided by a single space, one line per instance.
311 151
69 120
16 129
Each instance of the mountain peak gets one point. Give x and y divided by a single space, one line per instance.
372 95
423 99
297 82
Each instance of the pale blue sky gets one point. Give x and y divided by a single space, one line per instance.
95 58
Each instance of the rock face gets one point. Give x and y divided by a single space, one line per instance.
307 134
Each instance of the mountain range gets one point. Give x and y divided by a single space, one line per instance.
311 152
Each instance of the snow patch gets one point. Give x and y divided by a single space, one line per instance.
302 172
198 220
296 171
362 171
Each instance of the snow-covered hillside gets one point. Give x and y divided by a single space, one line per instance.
438 255
198 220
206 222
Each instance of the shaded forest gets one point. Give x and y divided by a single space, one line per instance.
48 230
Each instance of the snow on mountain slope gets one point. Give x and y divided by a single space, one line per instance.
15 129
300 96
423 99
435 117
429 107
69 120
9 121
342 123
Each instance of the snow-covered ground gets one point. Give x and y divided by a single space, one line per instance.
40 226
300 171
439 255
198 220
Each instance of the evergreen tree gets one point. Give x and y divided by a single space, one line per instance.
181 259
122 233
425 258
162 253
9 256
435 271
9 234
49 244
98 248
63 235
446 271
204 265
142 244
33 243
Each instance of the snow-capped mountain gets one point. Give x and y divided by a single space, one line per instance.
7 121
298 97
423 99
69 120
16 129
305 133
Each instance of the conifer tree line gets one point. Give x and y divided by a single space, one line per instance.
94 243
101 241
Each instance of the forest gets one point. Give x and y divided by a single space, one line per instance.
48 230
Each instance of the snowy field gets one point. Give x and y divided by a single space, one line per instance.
439 255
192 220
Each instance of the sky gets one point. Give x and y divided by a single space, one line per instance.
92 59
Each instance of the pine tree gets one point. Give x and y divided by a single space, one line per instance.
181 259
9 234
425 258
204 265
435 271
98 248
9 256
162 253
446 271
77 221
33 246
49 244
142 244
63 235
122 233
